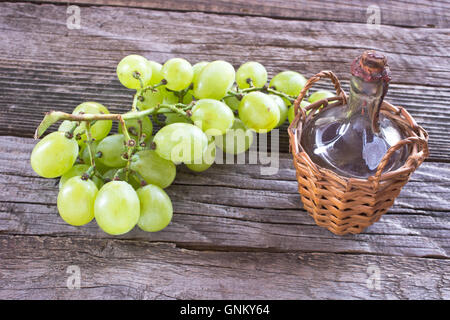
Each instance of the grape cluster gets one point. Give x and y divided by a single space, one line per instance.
119 178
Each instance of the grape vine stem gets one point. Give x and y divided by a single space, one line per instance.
89 144
54 116
265 89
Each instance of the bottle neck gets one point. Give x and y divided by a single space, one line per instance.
365 100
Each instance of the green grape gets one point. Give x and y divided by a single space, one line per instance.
212 116
232 101
164 96
151 98
174 117
259 112
111 149
237 140
98 182
178 73
154 169
66 125
84 153
289 82
197 68
156 72
117 208
99 129
132 179
109 175
54 155
85 156
156 208
77 171
169 97
251 70
188 97
214 80
181 142
319 95
133 65
76 201
148 142
133 127
208 159
291 111
283 108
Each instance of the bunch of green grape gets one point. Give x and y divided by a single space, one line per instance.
119 178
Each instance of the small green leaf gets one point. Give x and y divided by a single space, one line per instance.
49 119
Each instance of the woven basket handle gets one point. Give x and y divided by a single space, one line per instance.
421 142
292 130
314 79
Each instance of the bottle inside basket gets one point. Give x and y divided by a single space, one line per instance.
352 139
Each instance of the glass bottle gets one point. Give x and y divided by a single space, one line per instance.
352 139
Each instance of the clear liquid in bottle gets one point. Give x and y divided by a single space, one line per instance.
352 139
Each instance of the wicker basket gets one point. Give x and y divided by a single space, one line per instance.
348 205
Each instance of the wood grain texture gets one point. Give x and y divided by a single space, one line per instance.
234 207
36 268
417 13
48 66
236 234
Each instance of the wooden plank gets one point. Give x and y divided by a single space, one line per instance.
78 65
416 13
275 243
234 207
37 268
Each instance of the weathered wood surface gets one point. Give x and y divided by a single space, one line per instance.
37 267
40 55
232 231
234 207
235 232
421 13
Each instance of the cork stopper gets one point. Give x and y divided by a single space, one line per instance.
371 66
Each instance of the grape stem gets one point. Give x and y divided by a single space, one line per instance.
162 83
291 99
118 172
141 179
89 145
130 144
54 116
182 93
139 121
124 129
178 108
135 101
69 133
241 93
